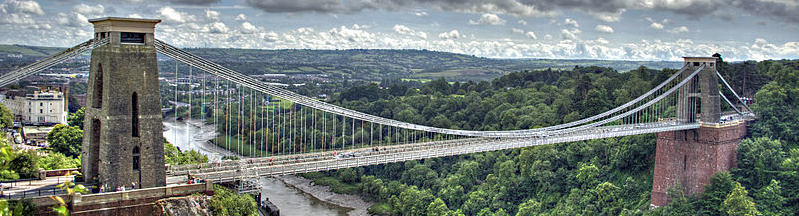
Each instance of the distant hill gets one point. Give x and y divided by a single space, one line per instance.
368 64
27 51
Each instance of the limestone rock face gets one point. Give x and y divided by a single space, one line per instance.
184 206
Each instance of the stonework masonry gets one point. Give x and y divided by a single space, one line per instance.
691 157
123 141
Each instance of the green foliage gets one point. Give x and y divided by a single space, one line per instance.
22 207
4 210
770 199
757 159
228 203
26 163
55 160
76 118
174 156
739 204
65 139
777 102
6 117
411 201
529 208
437 207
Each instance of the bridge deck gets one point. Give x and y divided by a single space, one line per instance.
321 161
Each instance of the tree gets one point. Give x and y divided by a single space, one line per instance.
76 118
770 199
739 204
756 159
66 140
226 202
587 175
712 200
56 160
6 117
776 106
26 163
174 156
595 102
437 207
412 201
529 208
477 200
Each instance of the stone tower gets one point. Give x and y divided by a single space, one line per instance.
691 157
122 138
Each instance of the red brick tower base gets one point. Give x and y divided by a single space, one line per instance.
691 157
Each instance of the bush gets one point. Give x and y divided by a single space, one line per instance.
55 160
26 163
227 202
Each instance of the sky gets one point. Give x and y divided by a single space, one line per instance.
559 29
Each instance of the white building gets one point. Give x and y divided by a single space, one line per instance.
39 107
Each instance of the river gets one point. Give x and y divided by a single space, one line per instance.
288 199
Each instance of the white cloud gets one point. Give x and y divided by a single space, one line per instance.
680 29
241 17
488 19
531 35
72 19
85 9
404 30
522 22
454 34
570 34
655 25
518 31
608 16
571 22
420 13
216 27
604 29
212 15
25 7
19 12
171 15
248 28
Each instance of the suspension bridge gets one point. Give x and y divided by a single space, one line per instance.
287 133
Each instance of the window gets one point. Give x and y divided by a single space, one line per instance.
711 64
41 111
696 63
128 37
136 157
41 104
134 115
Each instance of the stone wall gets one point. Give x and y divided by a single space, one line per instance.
134 202
691 157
